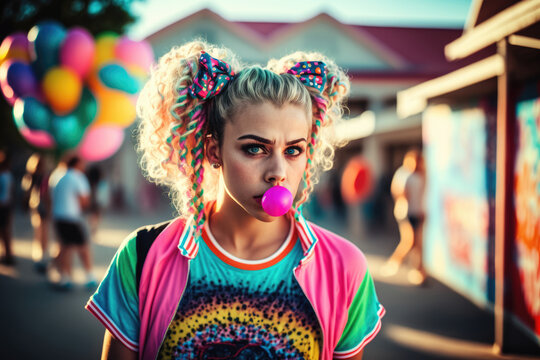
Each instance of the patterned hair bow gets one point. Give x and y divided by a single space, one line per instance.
211 79
310 73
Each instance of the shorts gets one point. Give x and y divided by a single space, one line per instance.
5 215
415 220
70 232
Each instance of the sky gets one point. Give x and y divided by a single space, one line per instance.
155 14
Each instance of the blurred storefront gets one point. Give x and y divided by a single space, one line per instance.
481 138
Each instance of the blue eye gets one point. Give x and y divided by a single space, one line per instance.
252 149
293 151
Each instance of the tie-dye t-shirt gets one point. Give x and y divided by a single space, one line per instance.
238 309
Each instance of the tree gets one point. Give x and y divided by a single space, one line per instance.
94 15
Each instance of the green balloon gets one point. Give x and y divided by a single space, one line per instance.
87 109
32 113
67 131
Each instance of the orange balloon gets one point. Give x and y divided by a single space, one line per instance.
15 46
18 54
95 84
114 108
62 89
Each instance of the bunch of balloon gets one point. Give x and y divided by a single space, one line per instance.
70 91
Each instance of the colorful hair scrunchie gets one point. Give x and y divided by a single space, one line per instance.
310 73
211 79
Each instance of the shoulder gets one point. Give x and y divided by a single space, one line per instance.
147 231
139 241
339 249
80 177
145 235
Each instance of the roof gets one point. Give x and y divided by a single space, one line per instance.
515 27
423 49
414 52
481 11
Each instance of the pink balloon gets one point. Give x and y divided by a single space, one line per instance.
77 51
38 138
7 90
137 53
101 142
277 200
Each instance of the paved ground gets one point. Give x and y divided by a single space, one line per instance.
431 322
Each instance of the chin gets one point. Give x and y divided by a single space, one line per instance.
268 218
260 215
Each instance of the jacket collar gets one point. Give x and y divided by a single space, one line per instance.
189 245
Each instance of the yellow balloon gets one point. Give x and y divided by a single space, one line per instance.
62 89
114 108
136 71
105 44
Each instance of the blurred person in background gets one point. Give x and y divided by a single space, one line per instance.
58 172
407 188
6 208
97 188
35 184
70 196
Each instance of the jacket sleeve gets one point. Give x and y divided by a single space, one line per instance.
364 320
116 302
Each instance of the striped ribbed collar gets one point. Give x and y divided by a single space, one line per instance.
189 246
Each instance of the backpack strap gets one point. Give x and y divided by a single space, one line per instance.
145 239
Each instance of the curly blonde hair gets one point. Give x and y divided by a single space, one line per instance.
327 112
174 125
166 131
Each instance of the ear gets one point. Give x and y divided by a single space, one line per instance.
213 152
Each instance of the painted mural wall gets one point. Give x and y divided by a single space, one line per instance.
525 297
459 149
459 236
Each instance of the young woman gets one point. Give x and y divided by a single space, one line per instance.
226 280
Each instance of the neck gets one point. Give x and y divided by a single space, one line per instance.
243 235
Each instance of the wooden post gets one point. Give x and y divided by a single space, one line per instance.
503 199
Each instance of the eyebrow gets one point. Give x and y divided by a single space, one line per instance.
269 142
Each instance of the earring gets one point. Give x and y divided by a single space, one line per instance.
216 165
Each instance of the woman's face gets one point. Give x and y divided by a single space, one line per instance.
263 146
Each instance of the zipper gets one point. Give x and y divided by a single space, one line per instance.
175 311
313 307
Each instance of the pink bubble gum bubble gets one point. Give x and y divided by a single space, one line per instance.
277 200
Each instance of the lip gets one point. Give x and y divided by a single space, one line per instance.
258 199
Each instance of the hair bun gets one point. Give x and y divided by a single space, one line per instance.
337 83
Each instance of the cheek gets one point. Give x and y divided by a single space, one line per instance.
238 170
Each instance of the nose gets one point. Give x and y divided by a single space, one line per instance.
276 171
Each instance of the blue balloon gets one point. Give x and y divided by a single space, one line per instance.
21 79
115 76
46 38
67 131
32 113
